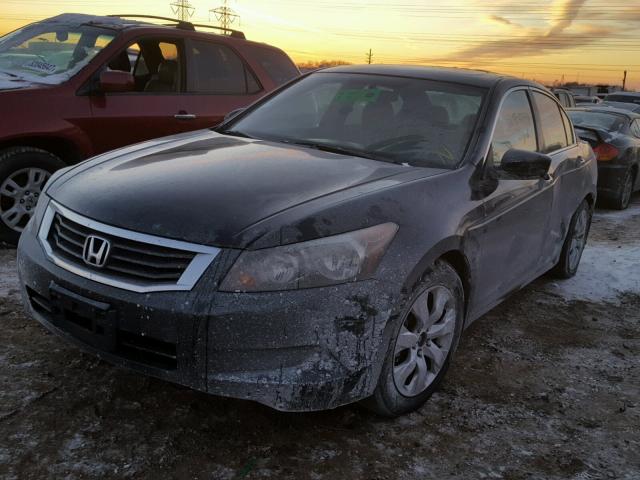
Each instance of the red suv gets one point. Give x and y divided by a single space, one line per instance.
73 86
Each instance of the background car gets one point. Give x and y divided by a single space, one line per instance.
327 245
624 97
78 85
614 135
583 99
565 97
632 107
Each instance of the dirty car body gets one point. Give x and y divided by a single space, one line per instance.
203 228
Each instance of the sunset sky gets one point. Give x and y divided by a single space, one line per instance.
584 40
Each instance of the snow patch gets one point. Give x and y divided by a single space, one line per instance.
8 274
605 272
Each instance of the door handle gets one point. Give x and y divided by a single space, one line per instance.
184 116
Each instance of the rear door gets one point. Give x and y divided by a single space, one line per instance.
512 236
150 110
218 82
568 172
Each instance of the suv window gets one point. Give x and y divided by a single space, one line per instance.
155 65
215 68
514 128
554 136
279 67
635 128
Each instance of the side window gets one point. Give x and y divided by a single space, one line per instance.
154 64
277 65
551 123
635 128
568 129
514 128
215 68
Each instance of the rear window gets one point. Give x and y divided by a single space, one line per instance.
623 98
607 121
277 65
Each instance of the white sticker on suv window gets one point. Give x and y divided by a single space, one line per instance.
40 66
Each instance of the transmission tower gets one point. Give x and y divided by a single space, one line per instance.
183 9
225 15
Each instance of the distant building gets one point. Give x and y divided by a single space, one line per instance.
592 90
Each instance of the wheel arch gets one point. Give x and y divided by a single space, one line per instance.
451 251
65 149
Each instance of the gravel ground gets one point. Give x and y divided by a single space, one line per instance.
546 386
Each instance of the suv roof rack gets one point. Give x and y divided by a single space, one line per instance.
184 25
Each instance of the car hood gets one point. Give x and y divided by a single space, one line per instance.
208 188
10 83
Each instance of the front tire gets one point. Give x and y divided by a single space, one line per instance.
575 242
421 349
23 174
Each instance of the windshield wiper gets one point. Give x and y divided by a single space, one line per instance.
331 148
235 133
10 74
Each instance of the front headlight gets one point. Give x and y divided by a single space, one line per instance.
38 213
326 261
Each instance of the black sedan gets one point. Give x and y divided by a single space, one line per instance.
327 245
614 135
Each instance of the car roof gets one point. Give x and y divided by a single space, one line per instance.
127 22
626 94
598 109
477 78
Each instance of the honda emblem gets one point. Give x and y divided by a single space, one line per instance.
95 251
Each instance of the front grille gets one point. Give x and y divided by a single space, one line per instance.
128 260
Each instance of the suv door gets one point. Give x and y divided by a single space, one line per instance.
511 238
149 111
218 82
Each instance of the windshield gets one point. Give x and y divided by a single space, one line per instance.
51 52
401 120
623 98
609 122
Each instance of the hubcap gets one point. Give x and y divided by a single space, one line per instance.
19 195
424 341
579 238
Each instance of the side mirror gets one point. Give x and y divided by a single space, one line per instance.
112 81
524 164
232 114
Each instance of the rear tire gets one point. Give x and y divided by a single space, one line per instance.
23 174
423 343
575 242
623 196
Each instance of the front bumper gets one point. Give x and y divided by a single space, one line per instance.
295 351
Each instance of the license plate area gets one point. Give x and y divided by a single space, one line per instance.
93 322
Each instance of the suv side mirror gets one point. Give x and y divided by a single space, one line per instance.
232 114
112 81
524 164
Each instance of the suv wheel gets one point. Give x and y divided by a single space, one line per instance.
23 174
420 352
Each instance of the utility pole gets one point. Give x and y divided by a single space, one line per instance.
624 81
225 15
369 57
183 9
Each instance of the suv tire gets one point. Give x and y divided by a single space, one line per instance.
23 174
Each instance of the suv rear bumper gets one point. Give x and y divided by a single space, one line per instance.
295 351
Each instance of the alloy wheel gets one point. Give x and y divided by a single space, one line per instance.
579 238
424 341
19 195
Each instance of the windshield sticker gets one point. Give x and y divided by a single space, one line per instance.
355 95
40 66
